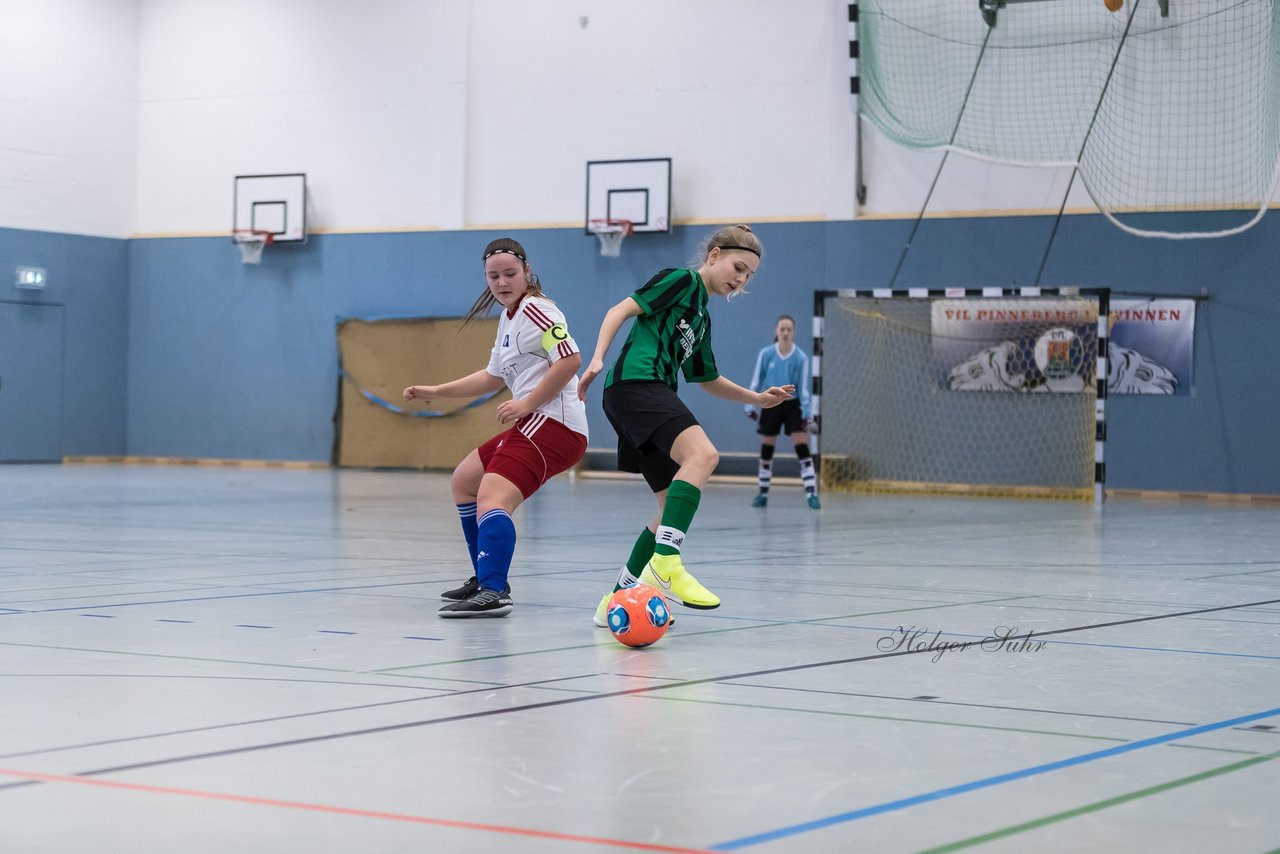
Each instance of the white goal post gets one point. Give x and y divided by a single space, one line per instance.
974 391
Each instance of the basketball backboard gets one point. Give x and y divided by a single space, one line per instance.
635 190
272 203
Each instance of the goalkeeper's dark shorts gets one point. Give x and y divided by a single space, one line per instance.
647 416
787 414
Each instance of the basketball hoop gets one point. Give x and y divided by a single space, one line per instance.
251 243
611 233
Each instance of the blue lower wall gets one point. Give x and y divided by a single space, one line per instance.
235 361
1215 439
88 277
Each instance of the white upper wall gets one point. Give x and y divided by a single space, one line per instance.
121 117
68 115
413 114
346 92
741 95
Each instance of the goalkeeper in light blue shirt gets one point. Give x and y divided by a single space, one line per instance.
783 363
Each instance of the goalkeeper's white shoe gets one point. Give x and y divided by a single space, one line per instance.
601 618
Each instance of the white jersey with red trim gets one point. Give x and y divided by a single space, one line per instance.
529 342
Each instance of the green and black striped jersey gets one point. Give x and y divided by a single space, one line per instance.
673 333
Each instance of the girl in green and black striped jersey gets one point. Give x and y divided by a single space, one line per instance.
658 436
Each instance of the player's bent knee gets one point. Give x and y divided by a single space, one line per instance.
703 460
465 481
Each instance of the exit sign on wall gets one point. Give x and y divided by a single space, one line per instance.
31 277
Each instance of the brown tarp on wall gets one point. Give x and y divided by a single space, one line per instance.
380 358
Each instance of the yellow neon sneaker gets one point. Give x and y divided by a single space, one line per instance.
667 573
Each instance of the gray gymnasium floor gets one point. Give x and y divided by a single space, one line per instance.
209 660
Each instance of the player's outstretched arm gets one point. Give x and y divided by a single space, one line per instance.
726 389
552 382
472 385
613 320
771 397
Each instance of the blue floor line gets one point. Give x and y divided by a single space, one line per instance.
938 794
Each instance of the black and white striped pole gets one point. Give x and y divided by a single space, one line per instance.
1100 406
815 373
854 90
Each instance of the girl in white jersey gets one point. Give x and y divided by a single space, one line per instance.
536 358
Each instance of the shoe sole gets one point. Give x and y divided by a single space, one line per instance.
494 612
670 596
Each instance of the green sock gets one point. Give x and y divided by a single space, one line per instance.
677 516
640 554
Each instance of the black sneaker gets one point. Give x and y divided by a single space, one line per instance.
482 603
468 589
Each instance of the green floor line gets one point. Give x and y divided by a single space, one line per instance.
1100 805
937 723
816 620
1214 749
888 718
178 657
489 682
490 657
751 627
563 690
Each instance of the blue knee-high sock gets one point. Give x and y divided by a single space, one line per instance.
496 543
467 516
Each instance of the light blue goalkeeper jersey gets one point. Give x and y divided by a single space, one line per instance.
772 369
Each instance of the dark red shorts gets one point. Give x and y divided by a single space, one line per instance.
532 452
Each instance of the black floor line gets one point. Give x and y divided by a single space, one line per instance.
614 694
362 707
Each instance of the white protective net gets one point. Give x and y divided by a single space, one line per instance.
988 397
1162 113
610 233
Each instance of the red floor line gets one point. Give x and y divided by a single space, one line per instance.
349 811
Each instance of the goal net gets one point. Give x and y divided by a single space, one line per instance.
1164 105
981 392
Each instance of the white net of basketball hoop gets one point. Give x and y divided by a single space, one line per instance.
251 243
610 233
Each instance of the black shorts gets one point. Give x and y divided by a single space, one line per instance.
647 416
787 414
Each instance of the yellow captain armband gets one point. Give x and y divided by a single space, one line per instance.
552 338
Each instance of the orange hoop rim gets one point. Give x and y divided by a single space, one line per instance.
253 235
606 226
